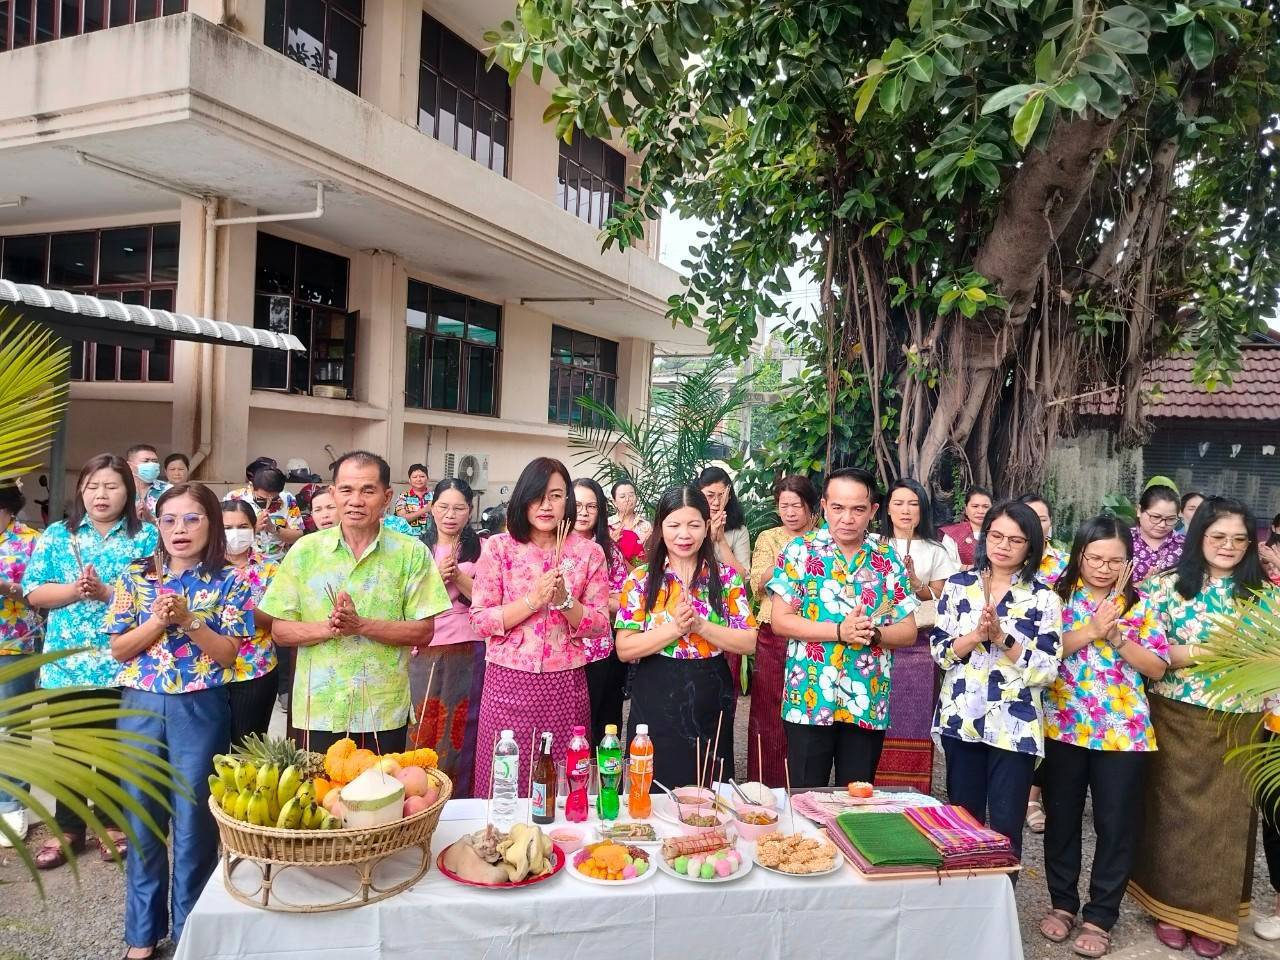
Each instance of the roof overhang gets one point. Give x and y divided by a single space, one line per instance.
77 316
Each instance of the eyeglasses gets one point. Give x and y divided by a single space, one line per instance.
453 511
588 508
1161 520
170 520
1103 563
1227 540
995 536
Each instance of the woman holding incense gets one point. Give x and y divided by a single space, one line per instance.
606 674
446 678
71 574
540 591
930 557
1194 866
998 637
796 500
681 612
967 532
1098 732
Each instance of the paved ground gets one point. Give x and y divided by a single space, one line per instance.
83 920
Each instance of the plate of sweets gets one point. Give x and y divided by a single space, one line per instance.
705 858
798 855
611 864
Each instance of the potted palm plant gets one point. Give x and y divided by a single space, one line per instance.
46 749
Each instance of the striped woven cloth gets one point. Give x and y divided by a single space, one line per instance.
955 832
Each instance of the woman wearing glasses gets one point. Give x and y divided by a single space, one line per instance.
1098 732
177 624
1194 863
998 638
1157 545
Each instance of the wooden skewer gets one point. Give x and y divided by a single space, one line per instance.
786 771
759 754
488 807
307 733
714 750
422 714
720 778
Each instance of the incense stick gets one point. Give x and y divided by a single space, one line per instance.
307 733
759 754
422 713
786 772
488 807
715 750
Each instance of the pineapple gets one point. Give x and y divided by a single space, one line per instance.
281 751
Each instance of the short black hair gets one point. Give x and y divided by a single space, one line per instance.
624 482
1028 524
1035 497
1160 494
414 468
106 461
857 475
11 498
976 490
140 448
1248 576
177 458
733 515
269 479
256 465
530 488
365 458
1188 497
241 506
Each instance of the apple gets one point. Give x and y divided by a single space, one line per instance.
433 792
389 766
414 805
415 780
330 798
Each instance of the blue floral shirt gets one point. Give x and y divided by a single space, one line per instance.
986 697
399 525
148 495
79 624
175 663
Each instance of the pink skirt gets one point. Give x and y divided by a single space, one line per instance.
528 703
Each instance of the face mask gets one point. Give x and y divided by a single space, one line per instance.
148 472
239 541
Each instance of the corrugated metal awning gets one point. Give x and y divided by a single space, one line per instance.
78 316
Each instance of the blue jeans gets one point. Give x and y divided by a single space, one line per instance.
192 728
12 688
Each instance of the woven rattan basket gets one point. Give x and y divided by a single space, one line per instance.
274 850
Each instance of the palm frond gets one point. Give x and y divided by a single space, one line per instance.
51 745
33 394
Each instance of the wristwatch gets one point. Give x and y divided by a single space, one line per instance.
195 624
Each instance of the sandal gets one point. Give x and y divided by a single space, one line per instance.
1204 947
148 956
1092 942
1035 816
118 846
50 856
1056 925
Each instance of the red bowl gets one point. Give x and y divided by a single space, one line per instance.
557 855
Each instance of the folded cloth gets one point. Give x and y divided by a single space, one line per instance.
888 839
955 832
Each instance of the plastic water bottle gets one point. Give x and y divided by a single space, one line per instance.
609 763
506 780
578 772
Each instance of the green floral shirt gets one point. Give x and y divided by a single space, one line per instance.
829 682
356 684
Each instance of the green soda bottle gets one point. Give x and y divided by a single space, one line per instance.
609 763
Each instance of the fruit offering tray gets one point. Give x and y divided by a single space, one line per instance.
273 850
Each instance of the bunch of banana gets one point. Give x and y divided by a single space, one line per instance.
266 796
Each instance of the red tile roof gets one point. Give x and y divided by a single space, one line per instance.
1254 393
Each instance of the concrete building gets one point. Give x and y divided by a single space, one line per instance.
452 292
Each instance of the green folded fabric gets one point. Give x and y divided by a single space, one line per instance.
888 840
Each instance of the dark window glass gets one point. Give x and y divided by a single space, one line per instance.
158 361
482 375
590 178
446 366
582 365
93 16
144 9
322 277
275 269
71 258
173 6
21 23
164 254
271 368
123 255
483 320
45 27
104 362
415 369
130 364
4 24
459 102
120 12
70 25
453 352
24 259
322 35
77 354
449 313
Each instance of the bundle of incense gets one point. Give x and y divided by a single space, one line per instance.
562 534
75 552
708 842
986 587
331 592
1126 574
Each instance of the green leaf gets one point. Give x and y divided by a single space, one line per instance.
921 68
875 67
920 12
986 171
865 93
553 110
1127 16
790 30
889 93
1068 95
1045 62
1103 63
976 294
1181 14
1199 43
1123 40
897 51
944 64
1091 88
1027 119
1006 97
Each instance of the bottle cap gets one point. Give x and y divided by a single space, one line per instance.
642 729
508 734
610 729
579 730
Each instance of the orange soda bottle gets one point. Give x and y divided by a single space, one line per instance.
640 778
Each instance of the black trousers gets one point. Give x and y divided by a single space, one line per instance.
606 680
68 820
1269 814
384 741
813 750
251 704
992 784
1114 778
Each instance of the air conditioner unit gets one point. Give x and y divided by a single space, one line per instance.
471 467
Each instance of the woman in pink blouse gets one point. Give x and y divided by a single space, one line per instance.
453 665
536 617
606 674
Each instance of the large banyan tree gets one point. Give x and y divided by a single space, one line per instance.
1008 203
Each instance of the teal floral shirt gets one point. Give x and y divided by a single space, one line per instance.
399 525
175 663
1189 621
986 697
80 624
1098 700
829 682
354 683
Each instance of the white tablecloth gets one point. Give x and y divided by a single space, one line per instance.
762 915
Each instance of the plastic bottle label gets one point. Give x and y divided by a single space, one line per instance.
641 765
505 767
539 799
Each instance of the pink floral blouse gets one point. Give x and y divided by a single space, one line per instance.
543 642
453 626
